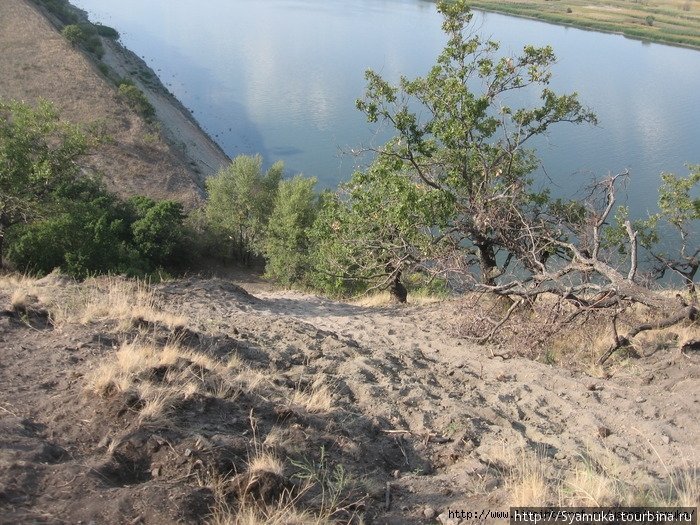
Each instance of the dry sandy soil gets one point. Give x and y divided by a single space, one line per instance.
195 400
36 62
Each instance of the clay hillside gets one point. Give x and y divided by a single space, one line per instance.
169 160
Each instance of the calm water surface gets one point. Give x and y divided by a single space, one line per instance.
280 77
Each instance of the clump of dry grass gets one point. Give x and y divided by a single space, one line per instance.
280 514
590 487
528 485
125 301
23 290
266 462
161 377
599 482
316 399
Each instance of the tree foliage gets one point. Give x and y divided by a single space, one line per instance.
53 215
38 153
241 198
377 229
466 140
157 229
287 244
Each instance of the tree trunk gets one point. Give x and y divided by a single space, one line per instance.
2 244
487 262
397 290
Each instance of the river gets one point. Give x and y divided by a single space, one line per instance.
280 77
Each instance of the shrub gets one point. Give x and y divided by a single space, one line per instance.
157 229
85 235
241 198
106 31
61 10
136 100
74 34
649 20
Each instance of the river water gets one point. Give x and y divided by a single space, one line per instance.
280 77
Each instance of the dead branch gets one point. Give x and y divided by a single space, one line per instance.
689 312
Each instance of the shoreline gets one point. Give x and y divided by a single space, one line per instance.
178 127
592 28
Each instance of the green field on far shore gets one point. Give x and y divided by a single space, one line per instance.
666 21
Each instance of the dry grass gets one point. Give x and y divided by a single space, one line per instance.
281 514
316 399
124 301
528 485
23 290
266 462
598 482
590 487
162 377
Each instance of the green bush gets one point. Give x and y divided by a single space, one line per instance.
241 198
157 230
107 32
85 234
74 34
287 243
61 10
136 100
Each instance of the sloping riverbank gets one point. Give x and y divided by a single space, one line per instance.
169 159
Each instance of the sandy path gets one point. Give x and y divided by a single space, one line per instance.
643 421
439 421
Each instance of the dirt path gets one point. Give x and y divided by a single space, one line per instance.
644 419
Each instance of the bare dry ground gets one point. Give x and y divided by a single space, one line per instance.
36 62
197 402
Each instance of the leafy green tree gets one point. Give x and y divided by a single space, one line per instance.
241 198
380 227
668 236
680 209
458 134
38 153
287 243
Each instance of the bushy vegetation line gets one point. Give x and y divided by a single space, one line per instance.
449 202
136 99
54 216
78 30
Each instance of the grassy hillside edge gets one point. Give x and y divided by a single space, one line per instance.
665 22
